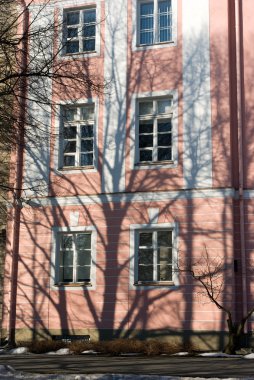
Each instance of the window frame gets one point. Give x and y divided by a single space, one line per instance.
135 229
136 27
62 37
155 117
77 123
57 233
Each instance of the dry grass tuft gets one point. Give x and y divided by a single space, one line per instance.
43 346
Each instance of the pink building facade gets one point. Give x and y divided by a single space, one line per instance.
155 172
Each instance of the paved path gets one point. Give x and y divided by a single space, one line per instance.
162 365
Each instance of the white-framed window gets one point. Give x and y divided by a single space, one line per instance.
73 256
155 22
79 30
153 255
155 130
77 136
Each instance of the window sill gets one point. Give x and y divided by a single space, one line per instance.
155 165
67 168
76 284
157 45
154 283
81 53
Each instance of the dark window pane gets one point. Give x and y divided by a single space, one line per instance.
70 132
164 21
73 18
83 241
83 273
164 126
67 275
146 8
164 140
67 258
146 128
145 256
72 32
84 257
86 130
72 47
86 159
87 145
146 38
70 114
89 45
165 35
70 147
146 23
145 273
89 16
69 160
145 239
164 272
145 141
164 6
87 112
164 238
89 31
67 241
164 154
145 155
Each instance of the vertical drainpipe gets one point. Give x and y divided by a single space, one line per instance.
18 177
241 124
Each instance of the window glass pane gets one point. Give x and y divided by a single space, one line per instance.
72 18
86 130
145 141
89 16
145 256
145 155
70 114
146 38
83 241
66 241
164 126
164 139
72 32
87 112
164 238
145 239
86 159
146 23
164 272
164 106
70 132
146 127
72 47
146 8
165 254
89 45
84 257
165 35
145 108
87 145
67 274
70 147
83 273
164 154
164 6
89 31
66 259
164 21
145 273
69 160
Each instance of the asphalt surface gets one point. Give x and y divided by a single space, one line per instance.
162 365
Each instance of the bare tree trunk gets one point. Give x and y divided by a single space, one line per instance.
235 334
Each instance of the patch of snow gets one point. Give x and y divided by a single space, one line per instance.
90 352
248 356
18 351
63 351
219 355
181 354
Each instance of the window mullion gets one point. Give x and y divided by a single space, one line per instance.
155 21
80 32
78 145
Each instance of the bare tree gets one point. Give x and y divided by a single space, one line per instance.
210 273
33 71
